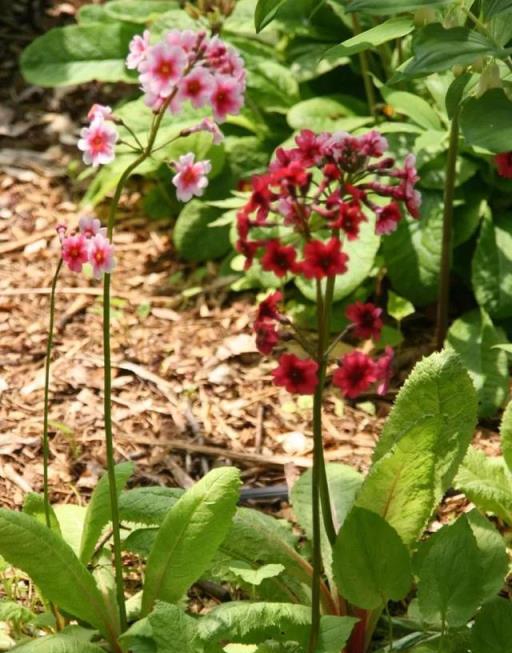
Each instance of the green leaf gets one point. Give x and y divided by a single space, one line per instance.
255 576
33 505
493 553
326 113
71 523
398 307
138 11
390 29
334 633
506 434
450 576
190 535
79 53
385 7
148 505
492 630
473 336
492 8
492 266
370 562
92 14
485 121
413 252
487 482
436 49
99 512
173 631
52 565
59 643
414 107
266 11
273 87
361 258
194 239
455 93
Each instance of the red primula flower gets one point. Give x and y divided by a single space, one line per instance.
278 258
349 218
366 319
267 337
388 218
267 309
311 146
261 198
384 370
504 164
297 375
356 373
323 259
249 248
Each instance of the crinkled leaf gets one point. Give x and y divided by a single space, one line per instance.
59 643
173 631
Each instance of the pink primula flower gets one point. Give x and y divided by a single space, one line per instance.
162 68
227 97
97 142
191 177
101 255
197 87
100 111
75 252
90 226
206 125
138 49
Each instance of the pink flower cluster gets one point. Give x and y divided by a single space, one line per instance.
312 198
189 66
98 140
89 245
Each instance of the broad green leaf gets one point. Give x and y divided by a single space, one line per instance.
92 14
506 434
53 567
450 576
390 29
436 49
473 337
138 11
71 523
385 7
59 643
433 173
467 216
33 505
371 564
485 121
98 512
148 505
79 53
323 113
492 630
255 576
361 258
273 87
492 266
173 631
190 535
334 633
492 8
194 238
493 553
413 252
399 307
265 12
412 106
487 482
455 94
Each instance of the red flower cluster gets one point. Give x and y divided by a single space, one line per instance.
504 164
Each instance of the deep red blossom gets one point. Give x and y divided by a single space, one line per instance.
297 375
279 258
249 249
331 172
388 218
355 374
384 367
349 219
311 146
323 259
366 319
267 309
267 336
261 198
242 224
504 164
293 174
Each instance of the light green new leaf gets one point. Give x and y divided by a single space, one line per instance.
190 535
492 266
265 12
506 435
325 113
450 576
398 307
71 523
33 505
473 336
59 643
492 630
414 107
436 49
390 29
371 564
255 576
487 482
79 53
138 11
384 7
485 121
493 553
492 8
52 565
98 512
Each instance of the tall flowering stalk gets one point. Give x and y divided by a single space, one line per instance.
312 198
183 66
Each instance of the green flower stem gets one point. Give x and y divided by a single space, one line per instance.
109 438
447 239
365 71
46 443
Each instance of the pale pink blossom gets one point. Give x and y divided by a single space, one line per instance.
97 142
162 68
75 252
206 125
373 144
227 97
101 255
100 111
90 226
197 87
186 39
138 48
61 230
191 177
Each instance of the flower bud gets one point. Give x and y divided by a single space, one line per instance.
458 70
